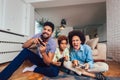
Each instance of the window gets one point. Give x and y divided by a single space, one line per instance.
38 27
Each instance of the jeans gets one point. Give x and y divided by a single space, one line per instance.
50 71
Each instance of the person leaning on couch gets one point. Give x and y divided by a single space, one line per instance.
42 58
81 58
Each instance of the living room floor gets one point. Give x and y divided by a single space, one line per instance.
114 71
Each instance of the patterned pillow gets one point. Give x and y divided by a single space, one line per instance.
92 43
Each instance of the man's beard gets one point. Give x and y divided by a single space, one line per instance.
43 36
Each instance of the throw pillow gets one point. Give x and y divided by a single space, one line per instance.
92 42
87 38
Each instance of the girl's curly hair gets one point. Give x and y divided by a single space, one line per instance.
62 37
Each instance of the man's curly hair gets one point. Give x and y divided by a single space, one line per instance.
76 33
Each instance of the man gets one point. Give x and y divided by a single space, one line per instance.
43 58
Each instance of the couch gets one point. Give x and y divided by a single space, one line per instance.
98 49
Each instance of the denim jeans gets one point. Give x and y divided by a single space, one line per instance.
50 71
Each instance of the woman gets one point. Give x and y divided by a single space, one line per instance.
81 56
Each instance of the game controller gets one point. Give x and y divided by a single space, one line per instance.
41 42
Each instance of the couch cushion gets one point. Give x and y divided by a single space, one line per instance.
94 52
92 43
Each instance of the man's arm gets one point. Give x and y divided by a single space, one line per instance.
30 42
47 58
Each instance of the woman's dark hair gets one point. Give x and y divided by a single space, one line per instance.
62 37
49 24
76 33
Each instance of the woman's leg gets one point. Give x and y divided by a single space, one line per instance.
80 71
68 65
18 60
99 67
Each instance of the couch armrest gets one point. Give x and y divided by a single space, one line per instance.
101 47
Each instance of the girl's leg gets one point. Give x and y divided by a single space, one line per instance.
99 67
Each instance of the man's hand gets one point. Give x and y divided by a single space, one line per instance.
36 41
31 43
43 48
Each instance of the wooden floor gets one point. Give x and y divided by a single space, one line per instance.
114 71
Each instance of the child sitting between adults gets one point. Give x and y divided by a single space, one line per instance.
61 53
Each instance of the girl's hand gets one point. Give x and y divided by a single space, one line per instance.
65 58
56 63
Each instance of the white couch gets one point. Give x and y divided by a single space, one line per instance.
98 49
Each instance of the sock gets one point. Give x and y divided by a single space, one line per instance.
29 68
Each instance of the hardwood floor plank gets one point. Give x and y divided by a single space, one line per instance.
114 71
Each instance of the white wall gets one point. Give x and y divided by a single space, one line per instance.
1 12
17 16
79 15
14 15
113 29
102 33
66 31
93 29
30 21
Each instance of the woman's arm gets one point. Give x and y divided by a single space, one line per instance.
89 58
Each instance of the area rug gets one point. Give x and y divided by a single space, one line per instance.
65 76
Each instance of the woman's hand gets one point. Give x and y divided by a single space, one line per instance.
75 63
86 66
